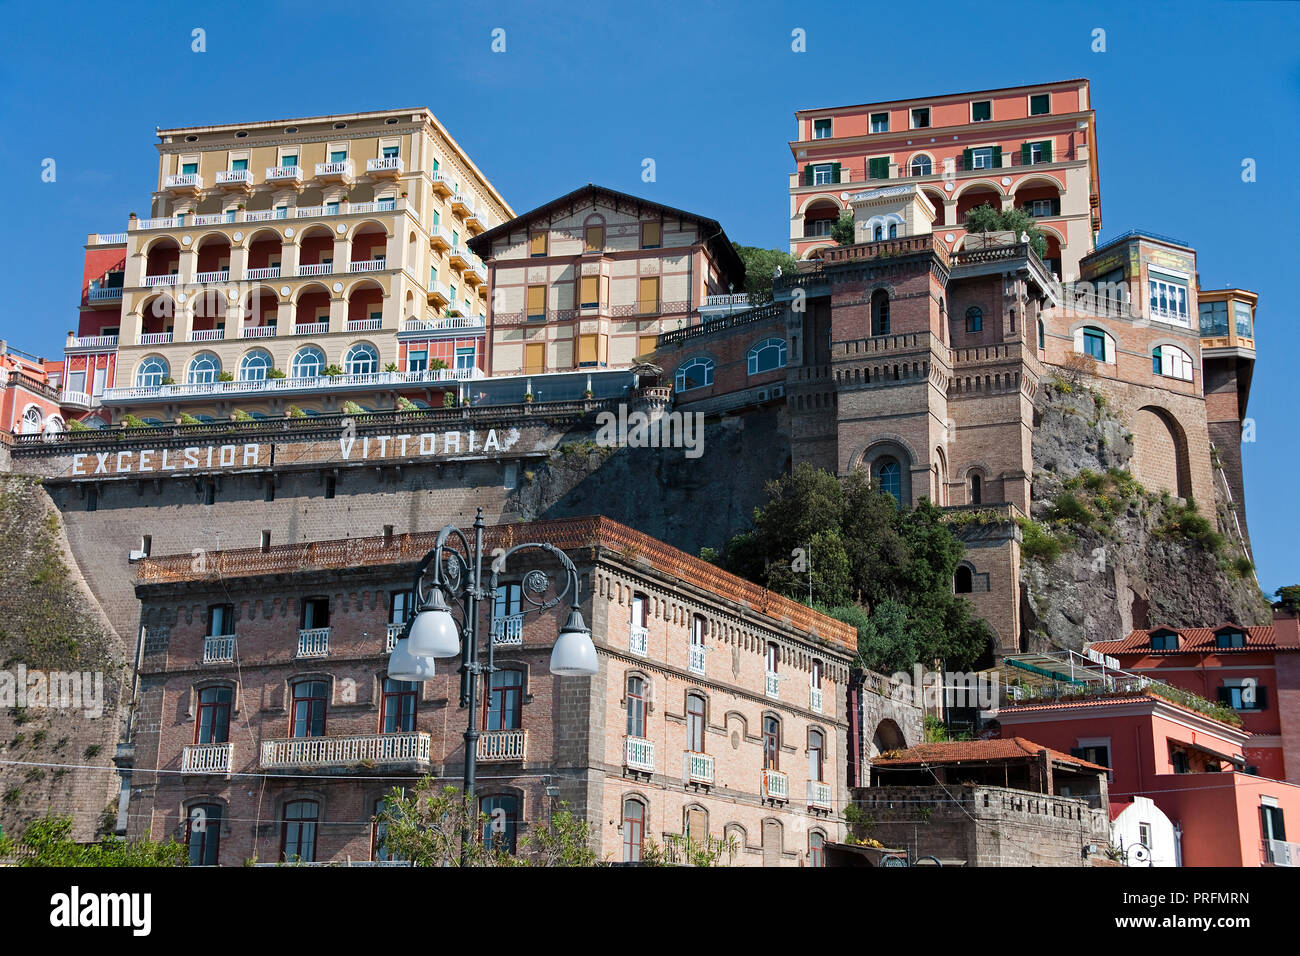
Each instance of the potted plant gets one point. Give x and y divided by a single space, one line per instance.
588 395
332 371
225 376
168 380
390 367
528 397
450 399
293 411
275 373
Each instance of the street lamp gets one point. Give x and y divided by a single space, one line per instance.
454 571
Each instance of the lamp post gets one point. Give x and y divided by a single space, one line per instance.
453 571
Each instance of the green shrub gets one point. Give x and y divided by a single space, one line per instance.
133 421
188 419
1037 543
293 411
275 373
1068 509
352 408
332 371
78 426
224 376
239 415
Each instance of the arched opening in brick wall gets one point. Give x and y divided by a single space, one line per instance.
887 737
1160 460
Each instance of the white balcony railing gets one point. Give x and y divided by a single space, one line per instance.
292 752
162 222
815 699
183 181
207 335
385 164
213 219
275 174
153 281
697 768
265 215
310 212
819 794
314 642
76 398
219 649
105 293
640 754
216 275
92 342
508 630
364 325
151 338
442 181
235 177
500 745
455 323
316 269
773 684
639 640
269 272
776 785
392 637
368 265
262 385
1282 853
258 332
342 168
110 238
695 659
206 758
311 328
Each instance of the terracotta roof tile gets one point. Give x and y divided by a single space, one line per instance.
968 751
1191 640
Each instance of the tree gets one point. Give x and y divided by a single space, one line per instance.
48 842
985 218
1289 596
883 569
565 840
760 264
844 232
684 851
425 826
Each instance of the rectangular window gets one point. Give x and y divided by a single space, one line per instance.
399 605
203 834
981 158
189 169
213 724
465 358
534 357
307 717
981 110
1040 103
289 159
1094 753
1272 824
338 155
587 349
1094 344
1242 317
880 122
1041 207
822 129
1036 152
1214 318
238 164
1243 696
1164 642
397 712
389 152
221 620
266 535
647 300
537 302
589 295
315 613
878 168
921 118
330 486
505 700
594 239
651 235
822 174
537 244
417 361
1168 298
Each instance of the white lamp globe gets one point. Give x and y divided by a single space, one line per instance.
405 666
574 654
433 632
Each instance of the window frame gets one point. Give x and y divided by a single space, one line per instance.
635 699
404 696
503 703
211 833
212 717
301 823
308 717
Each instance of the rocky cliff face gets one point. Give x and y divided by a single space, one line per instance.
62 672
1127 557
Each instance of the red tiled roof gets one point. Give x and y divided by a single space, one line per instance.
1106 700
1190 640
969 751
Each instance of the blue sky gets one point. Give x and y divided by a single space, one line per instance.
1183 94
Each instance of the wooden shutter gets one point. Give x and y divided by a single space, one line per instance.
537 301
1056 207
1024 154
587 348
534 357
595 238
808 175
997 157
1261 697
602 349
1047 150
697 825
590 291
651 235
648 296
967 162
835 172
1225 695
537 244
646 344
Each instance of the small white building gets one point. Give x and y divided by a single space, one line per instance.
1144 825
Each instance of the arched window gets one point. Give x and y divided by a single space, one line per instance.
298 831
505 700
204 369
32 420
771 743
307 363
974 319
635 706
213 724
962 581
880 312
890 477
308 716
878 234
697 373
254 366
633 829
921 166
767 355
397 710
54 425
151 371
1094 343
816 848
976 489
695 723
1171 362
893 230
816 754
203 834
362 359
500 831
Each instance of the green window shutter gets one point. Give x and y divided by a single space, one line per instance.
1024 154
808 175
878 168
1047 150
966 162
835 172
997 157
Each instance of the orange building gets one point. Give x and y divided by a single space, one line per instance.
29 393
